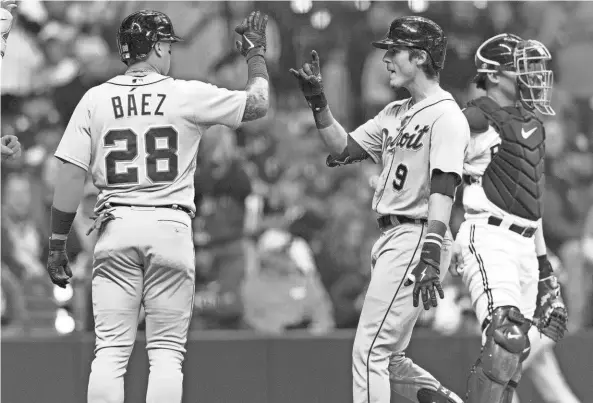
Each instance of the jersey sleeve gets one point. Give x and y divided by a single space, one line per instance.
449 141
75 145
370 137
212 105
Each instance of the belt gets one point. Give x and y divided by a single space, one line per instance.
171 206
390 220
526 232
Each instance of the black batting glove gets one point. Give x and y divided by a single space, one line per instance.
425 277
311 83
58 266
253 32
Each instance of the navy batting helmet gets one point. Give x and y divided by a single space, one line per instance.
417 32
139 32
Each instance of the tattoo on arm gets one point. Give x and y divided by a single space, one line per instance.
257 99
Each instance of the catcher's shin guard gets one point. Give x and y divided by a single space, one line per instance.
506 346
509 391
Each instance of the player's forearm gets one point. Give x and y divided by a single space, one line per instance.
439 212
68 192
258 87
439 208
331 132
540 242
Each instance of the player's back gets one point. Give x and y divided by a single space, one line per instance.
144 136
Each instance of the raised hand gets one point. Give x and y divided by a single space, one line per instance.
253 32
310 82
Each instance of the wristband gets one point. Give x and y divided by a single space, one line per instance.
256 65
434 240
61 222
544 267
317 102
57 244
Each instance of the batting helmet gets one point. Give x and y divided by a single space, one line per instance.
139 32
417 32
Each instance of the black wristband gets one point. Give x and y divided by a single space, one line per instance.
256 65
434 240
57 244
317 102
61 222
544 266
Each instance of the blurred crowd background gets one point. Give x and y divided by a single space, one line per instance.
282 241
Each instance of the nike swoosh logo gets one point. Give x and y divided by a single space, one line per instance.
527 134
513 336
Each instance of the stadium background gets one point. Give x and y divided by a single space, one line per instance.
282 242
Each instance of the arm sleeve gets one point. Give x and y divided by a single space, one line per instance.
75 145
370 137
212 105
449 140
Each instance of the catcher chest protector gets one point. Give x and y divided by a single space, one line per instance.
514 179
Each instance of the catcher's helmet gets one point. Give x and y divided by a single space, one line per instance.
417 32
497 53
527 59
139 32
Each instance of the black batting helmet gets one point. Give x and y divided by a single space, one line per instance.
417 32
139 32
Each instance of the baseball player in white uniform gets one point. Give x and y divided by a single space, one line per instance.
10 147
138 136
500 246
420 142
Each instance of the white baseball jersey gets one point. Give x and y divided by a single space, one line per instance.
481 149
139 136
411 141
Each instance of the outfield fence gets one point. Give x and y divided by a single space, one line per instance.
237 367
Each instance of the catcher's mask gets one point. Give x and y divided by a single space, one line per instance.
533 76
527 61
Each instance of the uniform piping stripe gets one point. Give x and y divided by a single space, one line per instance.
138 85
387 313
482 268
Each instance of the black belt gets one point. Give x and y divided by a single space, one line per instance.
386 221
171 206
527 232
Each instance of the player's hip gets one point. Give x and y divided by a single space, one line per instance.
495 232
122 227
402 238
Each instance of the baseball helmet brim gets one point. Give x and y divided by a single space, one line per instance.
172 38
387 42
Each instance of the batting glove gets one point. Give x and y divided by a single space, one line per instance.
550 312
425 277
253 32
6 7
58 266
311 83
